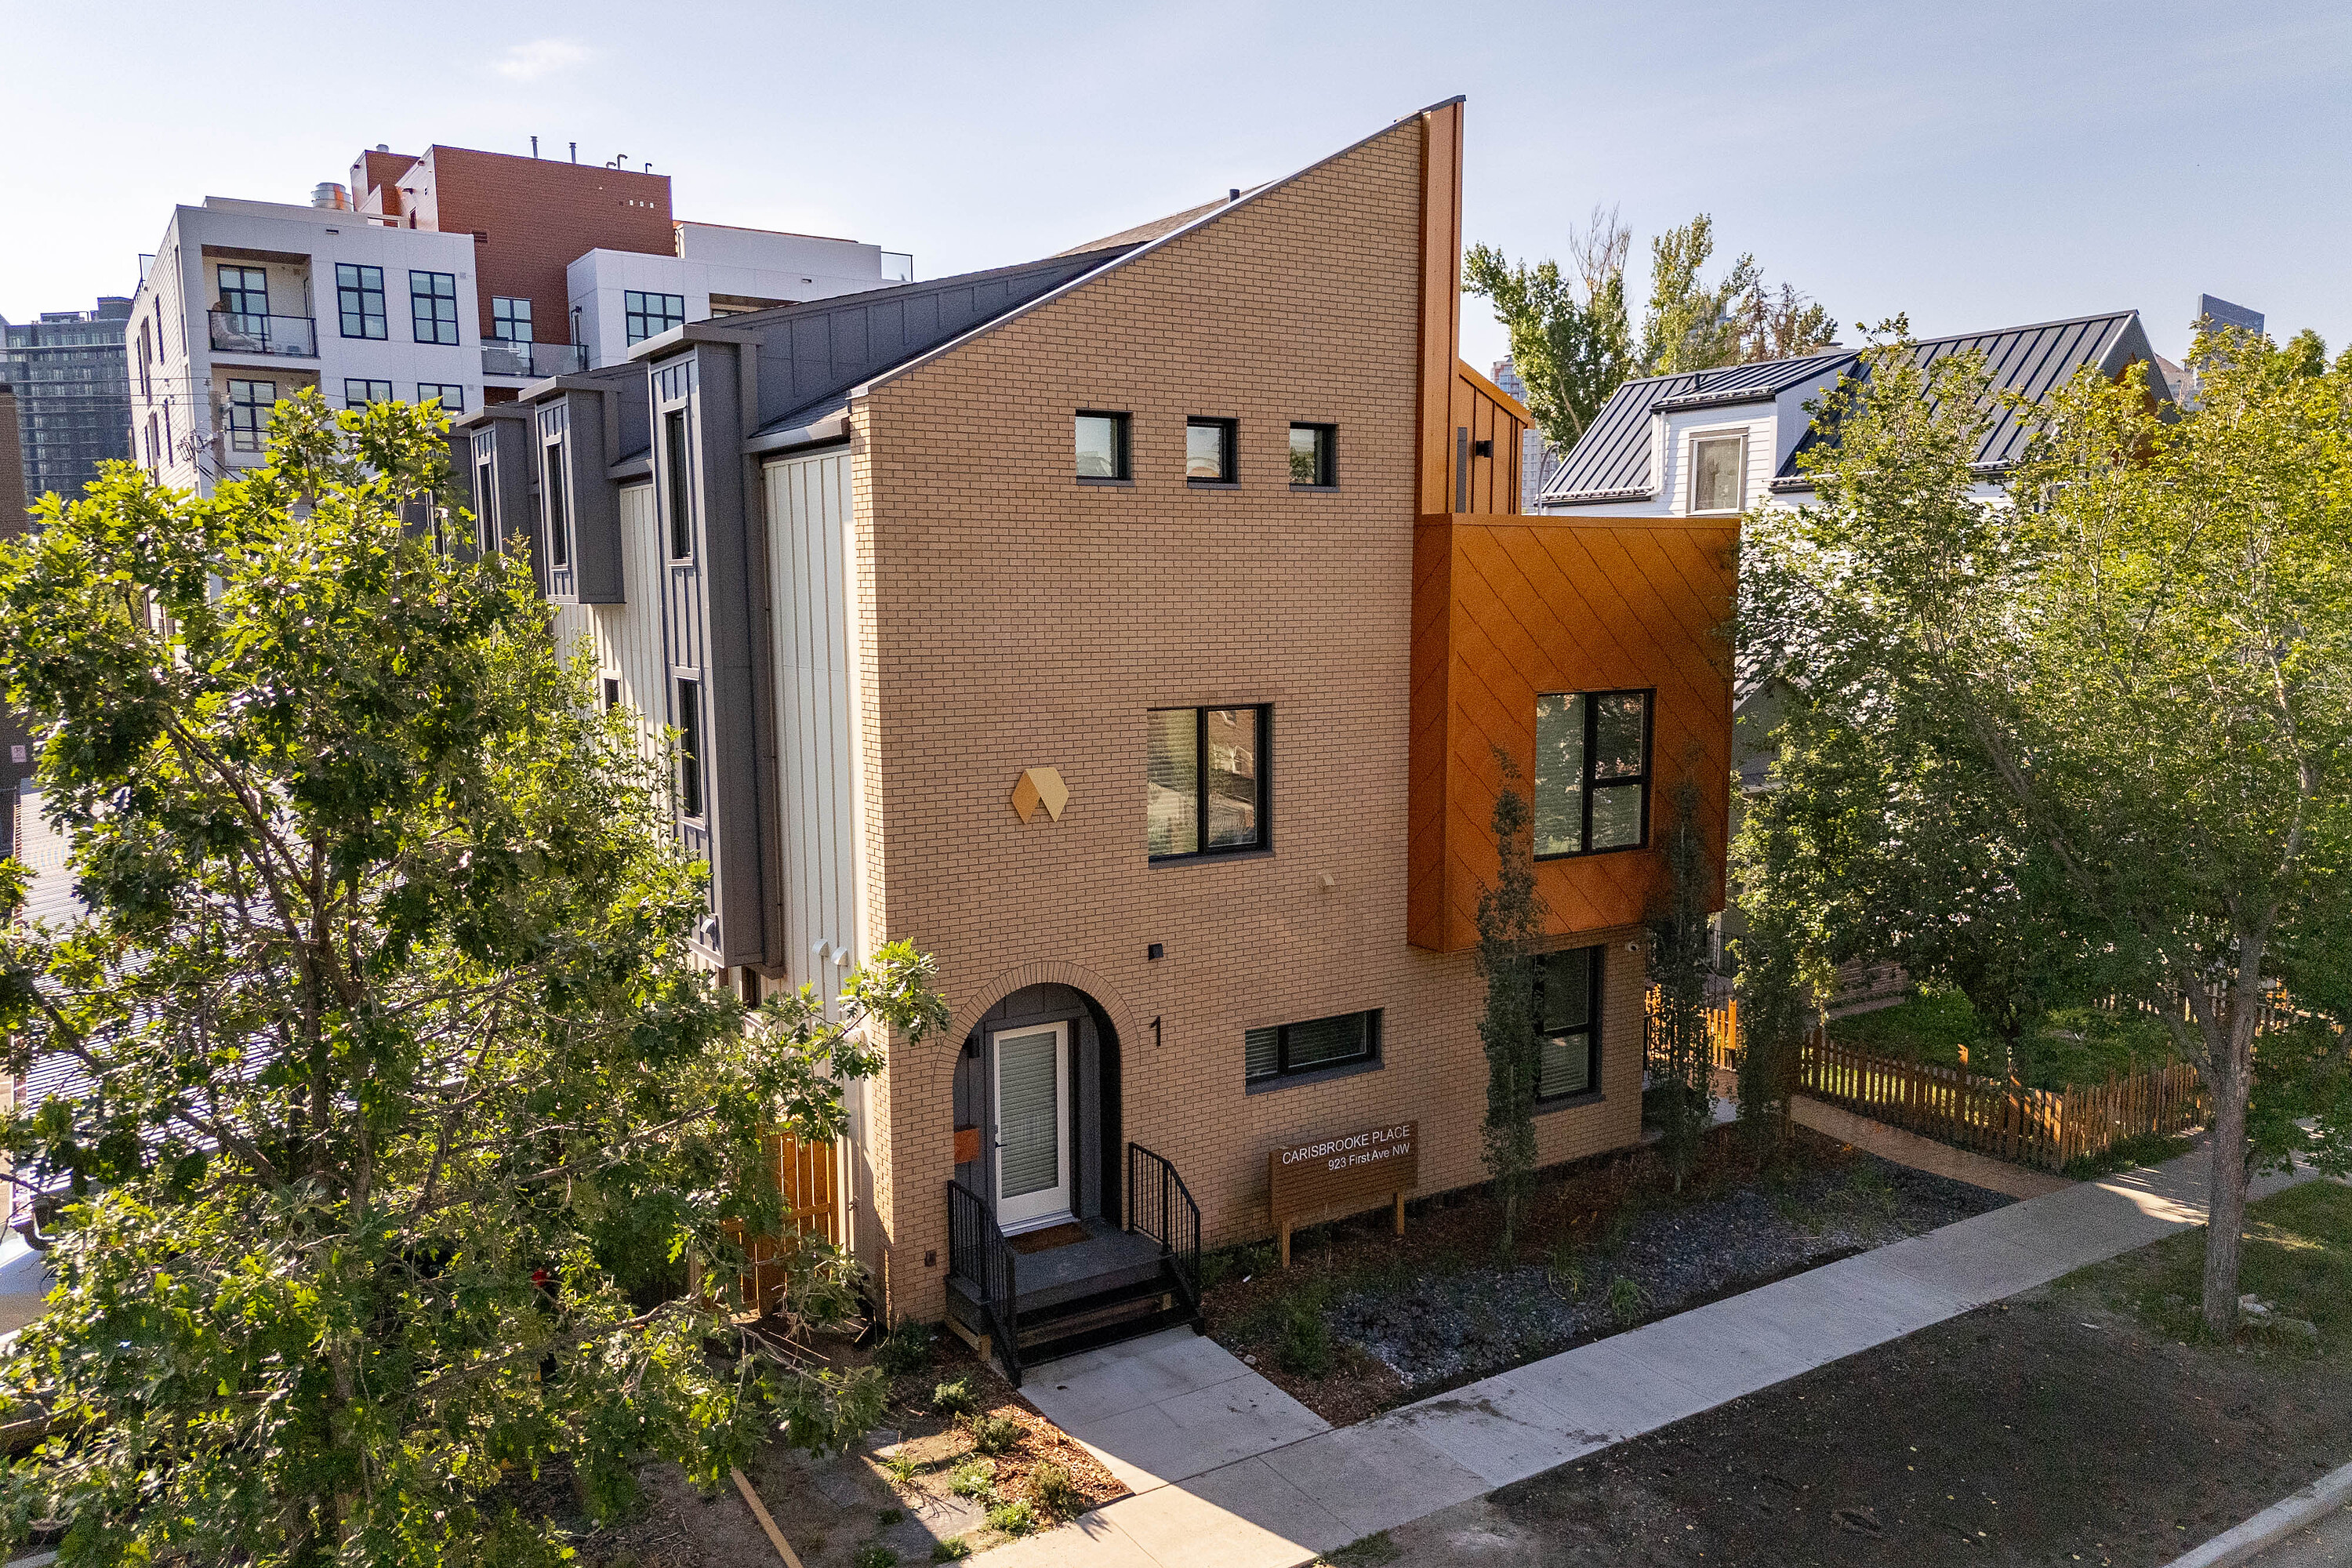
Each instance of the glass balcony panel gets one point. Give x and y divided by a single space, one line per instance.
248 332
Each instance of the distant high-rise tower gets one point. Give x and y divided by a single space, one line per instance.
2222 314
72 380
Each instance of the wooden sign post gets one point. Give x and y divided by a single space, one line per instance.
1343 1175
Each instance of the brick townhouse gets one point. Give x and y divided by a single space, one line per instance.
1137 630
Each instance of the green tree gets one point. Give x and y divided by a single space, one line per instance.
1680 1064
401 1113
1569 339
1510 929
1572 339
2143 662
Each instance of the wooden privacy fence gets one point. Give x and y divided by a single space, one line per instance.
808 1176
2032 1126
1722 1029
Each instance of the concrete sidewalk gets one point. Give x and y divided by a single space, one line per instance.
1228 1474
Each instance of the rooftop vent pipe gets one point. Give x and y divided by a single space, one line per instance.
327 193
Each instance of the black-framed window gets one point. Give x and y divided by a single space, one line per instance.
1104 451
1285 1050
1568 1023
689 748
359 394
359 299
559 523
1205 781
1315 455
244 294
486 498
681 513
611 693
510 318
1593 771
650 315
452 395
1212 452
249 402
433 307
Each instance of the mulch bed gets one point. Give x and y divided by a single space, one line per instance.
831 1509
1413 1316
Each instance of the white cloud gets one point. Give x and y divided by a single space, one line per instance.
539 58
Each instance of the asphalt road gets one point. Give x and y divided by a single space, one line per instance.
2327 1544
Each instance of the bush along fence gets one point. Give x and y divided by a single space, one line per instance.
2051 1128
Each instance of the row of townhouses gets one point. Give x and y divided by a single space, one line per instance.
1138 630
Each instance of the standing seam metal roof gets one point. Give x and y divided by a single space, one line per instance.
1612 461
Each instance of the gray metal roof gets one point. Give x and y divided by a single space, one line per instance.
812 354
1612 461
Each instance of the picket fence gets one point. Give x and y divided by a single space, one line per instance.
2049 1127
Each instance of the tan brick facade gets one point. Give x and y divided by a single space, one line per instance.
1013 617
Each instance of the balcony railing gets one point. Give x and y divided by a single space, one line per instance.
533 361
239 331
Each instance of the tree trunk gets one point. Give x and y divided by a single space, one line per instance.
2226 1195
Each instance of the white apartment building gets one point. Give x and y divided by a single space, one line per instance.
247 302
623 297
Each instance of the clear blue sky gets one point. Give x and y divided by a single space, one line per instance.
1972 164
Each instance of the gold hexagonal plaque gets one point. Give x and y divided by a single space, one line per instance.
1040 786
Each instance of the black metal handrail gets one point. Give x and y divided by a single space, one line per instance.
1160 1205
977 1251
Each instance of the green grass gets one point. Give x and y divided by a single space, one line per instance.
1372 1552
2297 1259
2072 1045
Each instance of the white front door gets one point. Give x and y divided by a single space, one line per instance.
1032 1144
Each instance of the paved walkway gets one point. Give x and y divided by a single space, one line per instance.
1230 1472
1924 1153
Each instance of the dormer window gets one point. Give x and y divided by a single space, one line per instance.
1718 466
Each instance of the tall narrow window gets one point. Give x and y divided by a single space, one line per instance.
249 402
1314 456
433 307
689 748
559 522
1568 1023
1593 771
486 500
612 694
510 318
682 516
359 299
1205 781
1210 452
646 315
1718 466
1103 447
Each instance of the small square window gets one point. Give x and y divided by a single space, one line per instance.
451 396
1210 452
1717 469
358 394
1313 457
1102 447
510 318
1205 781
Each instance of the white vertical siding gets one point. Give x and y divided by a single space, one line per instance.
809 517
626 637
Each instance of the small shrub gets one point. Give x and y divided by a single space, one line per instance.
955 1397
1306 1347
887 1517
1054 1492
873 1554
1566 1268
905 1350
1016 1518
975 1479
954 1549
1627 1300
995 1434
901 1468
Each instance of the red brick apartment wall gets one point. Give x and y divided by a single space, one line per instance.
541 216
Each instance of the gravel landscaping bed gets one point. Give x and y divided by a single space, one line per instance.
1365 1321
